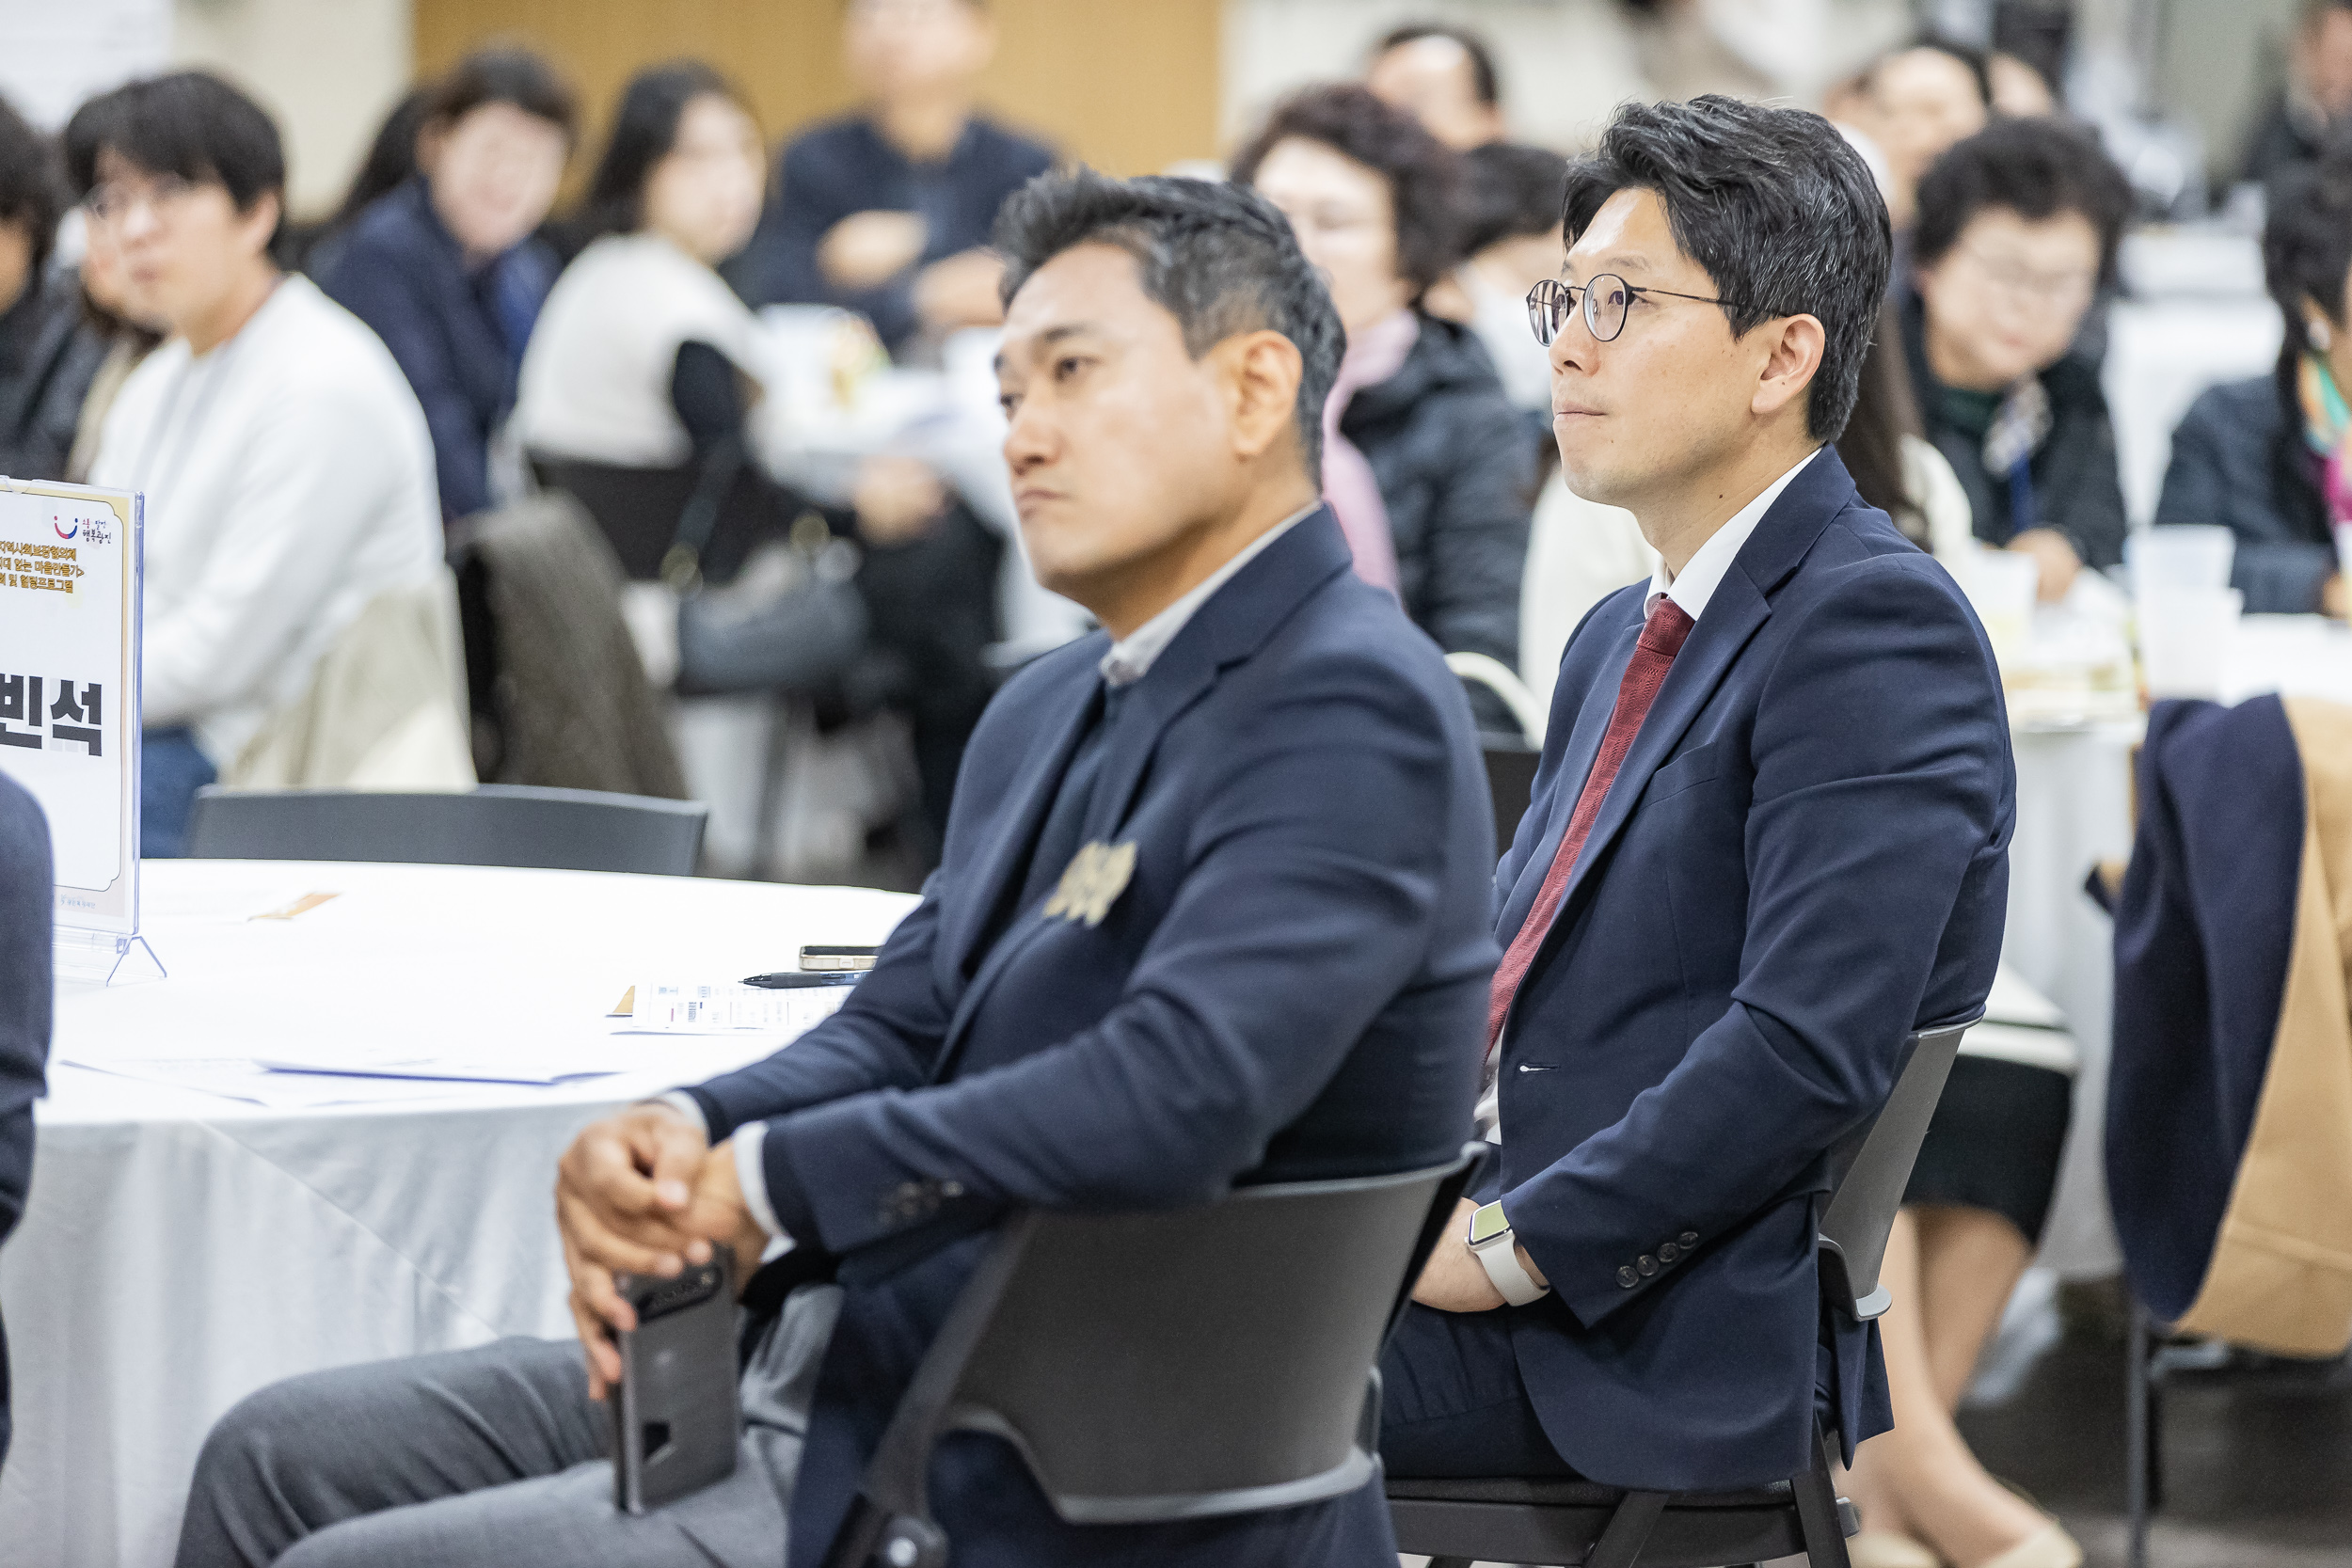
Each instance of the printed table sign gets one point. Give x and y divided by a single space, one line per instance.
70 579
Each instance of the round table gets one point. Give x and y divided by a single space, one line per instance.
181 1249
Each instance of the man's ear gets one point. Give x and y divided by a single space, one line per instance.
1259 372
1795 345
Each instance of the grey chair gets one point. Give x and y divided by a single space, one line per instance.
1182 1365
1575 1522
562 830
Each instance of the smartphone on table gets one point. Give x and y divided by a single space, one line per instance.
675 1415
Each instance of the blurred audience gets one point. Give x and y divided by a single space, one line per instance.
46 357
390 162
1423 457
2316 98
105 306
2018 228
887 211
1916 104
2019 89
287 468
445 267
27 894
2267 458
1443 76
1512 237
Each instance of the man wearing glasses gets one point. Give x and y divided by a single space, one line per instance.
1768 839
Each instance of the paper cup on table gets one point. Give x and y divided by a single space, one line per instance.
2185 636
2001 585
2180 556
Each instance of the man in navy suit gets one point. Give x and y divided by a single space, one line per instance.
27 892
1213 911
1768 839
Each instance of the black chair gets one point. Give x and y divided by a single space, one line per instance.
1510 783
1182 1365
562 830
1574 1522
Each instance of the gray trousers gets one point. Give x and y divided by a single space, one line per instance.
493 1457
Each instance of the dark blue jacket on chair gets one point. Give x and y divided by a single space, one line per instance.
27 894
1804 858
456 332
1289 987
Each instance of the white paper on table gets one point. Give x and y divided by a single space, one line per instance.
242 1078
699 1007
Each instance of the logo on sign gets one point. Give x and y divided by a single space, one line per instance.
64 532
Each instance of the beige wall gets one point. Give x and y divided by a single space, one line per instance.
328 68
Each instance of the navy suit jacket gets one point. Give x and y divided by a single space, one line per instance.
1289 988
1804 858
401 272
27 892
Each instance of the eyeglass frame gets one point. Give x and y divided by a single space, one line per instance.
161 194
1539 308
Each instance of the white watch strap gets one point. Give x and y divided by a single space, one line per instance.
1500 1260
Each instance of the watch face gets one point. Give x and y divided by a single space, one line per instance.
1486 1223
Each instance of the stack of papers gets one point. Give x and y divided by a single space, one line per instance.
699 1008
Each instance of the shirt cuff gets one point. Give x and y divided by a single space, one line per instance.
686 1105
752 1175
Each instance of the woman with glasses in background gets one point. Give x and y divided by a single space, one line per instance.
2018 228
1423 460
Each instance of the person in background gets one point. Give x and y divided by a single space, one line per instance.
2267 458
1424 459
1443 76
27 892
286 464
2019 89
445 266
887 211
2315 100
1917 103
46 357
105 304
390 162
2018 228
1512 238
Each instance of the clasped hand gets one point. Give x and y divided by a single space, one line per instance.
643 1192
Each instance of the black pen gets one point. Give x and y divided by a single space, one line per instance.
794 979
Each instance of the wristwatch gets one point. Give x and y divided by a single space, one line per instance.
1496 1248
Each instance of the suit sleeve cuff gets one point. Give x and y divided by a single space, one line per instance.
762 1167
684 1103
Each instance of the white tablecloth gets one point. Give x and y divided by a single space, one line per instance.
181 1250
2073 809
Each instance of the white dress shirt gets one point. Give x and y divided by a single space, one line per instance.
1129 660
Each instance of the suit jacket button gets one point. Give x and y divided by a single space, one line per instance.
951 1188
1688 1239
1648 1264
1668 1253
1627 1279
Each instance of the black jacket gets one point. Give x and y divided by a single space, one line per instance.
2239 460
2078 491
27 892
1455 472
48 355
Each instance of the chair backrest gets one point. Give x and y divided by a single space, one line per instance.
566 830
1183 1364
1873 1166
1511 783
1491 673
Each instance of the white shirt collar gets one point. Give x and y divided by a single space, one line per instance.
1130 657
1700 574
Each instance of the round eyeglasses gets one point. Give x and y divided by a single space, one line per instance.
1606 299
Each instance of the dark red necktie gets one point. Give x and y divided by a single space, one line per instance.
1662 637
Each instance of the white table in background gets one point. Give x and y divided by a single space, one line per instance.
181 1250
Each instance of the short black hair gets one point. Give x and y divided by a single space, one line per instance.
1978 62
1425 175
644 130
2035 168
1218 257
32 190
504 74
1484 81
190 124
2306 248
1773 204
1511 189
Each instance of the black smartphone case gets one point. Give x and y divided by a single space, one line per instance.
676 1414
